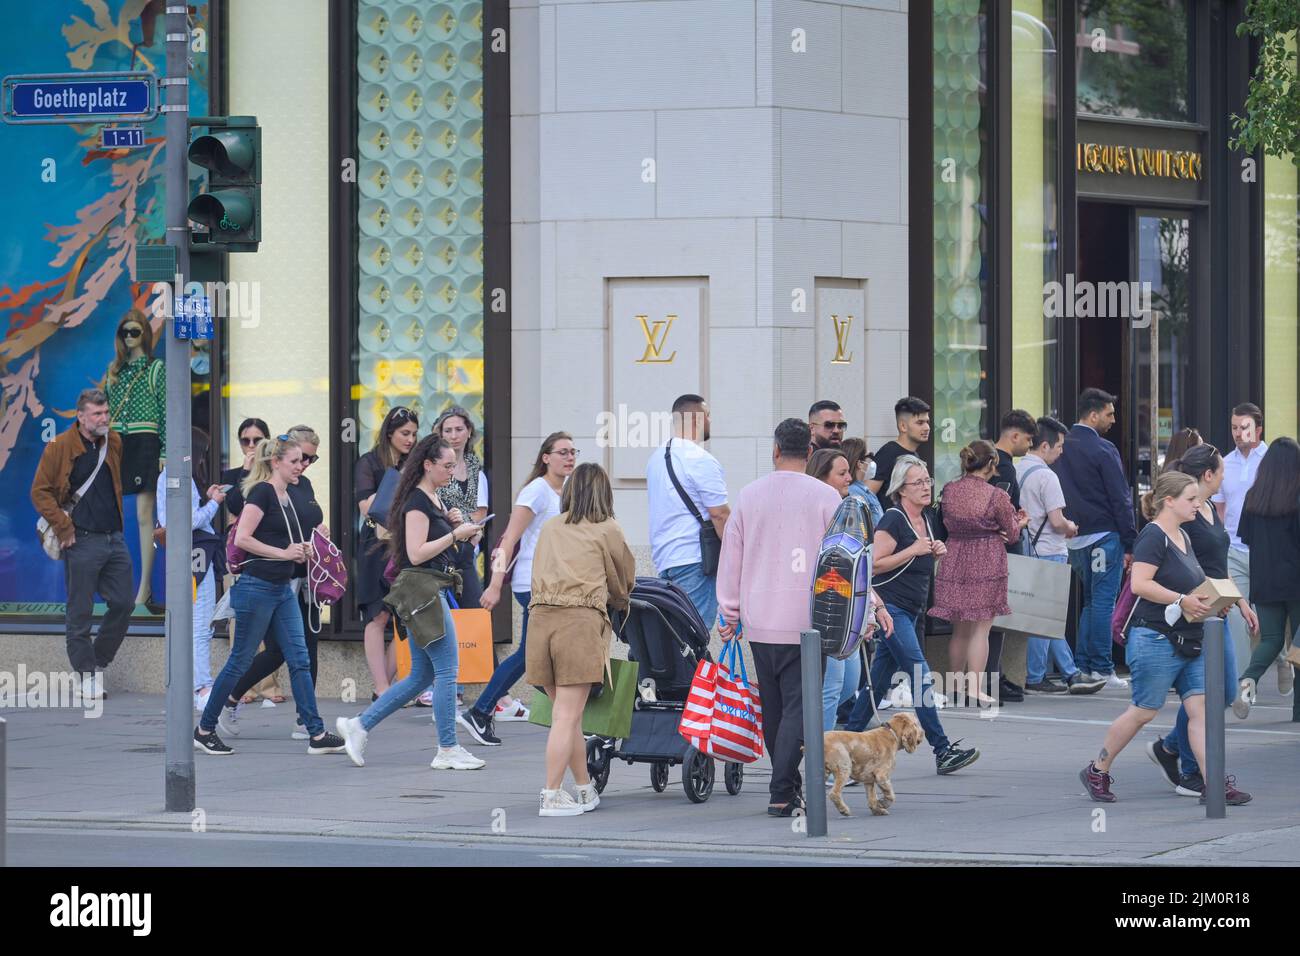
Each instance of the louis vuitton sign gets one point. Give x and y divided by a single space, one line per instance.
1139 161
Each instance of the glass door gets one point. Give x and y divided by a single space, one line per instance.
1160 343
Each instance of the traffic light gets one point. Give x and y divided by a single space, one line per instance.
231 208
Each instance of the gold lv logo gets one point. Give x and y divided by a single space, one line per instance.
655 339
842 327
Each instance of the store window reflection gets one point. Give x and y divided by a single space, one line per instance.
1133 59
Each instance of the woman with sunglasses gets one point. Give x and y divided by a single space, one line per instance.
136 385
863 466
394 442
423 537
312 516
250 432
538 501
270 532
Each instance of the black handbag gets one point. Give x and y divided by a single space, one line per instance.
378 515
710 543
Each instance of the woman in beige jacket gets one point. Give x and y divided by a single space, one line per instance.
581 566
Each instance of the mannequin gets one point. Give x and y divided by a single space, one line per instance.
137 403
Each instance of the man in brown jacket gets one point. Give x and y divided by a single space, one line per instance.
94 554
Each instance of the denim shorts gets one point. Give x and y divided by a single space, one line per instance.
1156 667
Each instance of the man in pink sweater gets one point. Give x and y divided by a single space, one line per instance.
769 553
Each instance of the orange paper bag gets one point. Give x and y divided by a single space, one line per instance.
473 634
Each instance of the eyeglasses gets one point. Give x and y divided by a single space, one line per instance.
921 482
249 442
566 452
401 414
130 332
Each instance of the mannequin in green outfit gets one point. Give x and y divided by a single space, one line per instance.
137 402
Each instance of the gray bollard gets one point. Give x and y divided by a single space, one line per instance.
1214 769
814 747
4 818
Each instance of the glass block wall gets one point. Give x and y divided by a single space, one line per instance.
961 341
419 337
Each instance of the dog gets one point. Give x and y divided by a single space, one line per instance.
868 757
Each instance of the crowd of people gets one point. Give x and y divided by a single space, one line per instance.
1043 489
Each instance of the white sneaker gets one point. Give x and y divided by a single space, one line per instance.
92 686
228 722
456 758
559 803
299 733
1285 677
512 711
940 700
886 702
1245 697
201 699
588 797
1113 680
354 738
901 696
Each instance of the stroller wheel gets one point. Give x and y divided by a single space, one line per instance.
697 776
659 776
598 762
733 775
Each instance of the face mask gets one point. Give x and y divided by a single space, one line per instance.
871 470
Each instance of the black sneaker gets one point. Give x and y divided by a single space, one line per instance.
1081 683
1162 758
953 758
480 728
1045 687
327 744
1189 785
210 744
1011 692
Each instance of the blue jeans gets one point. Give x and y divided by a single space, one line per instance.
266 611
1041 648
1177 741
839 684
901 651
702 591
509 671
437 663
1156 667
1100 589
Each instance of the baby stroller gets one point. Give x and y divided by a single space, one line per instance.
666 637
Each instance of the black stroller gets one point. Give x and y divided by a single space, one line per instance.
666 637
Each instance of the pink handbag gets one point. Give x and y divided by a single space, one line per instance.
235 555
1124 605
327 573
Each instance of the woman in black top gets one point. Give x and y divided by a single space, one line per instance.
1210 541
311 515
395 440
271 533
1270 527
250 432
1162 654
423 537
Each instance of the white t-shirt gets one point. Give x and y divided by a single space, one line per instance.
1238 475
1040 494
543 501
674 532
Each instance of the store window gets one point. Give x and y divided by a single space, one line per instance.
1134 59
961 231
1281 293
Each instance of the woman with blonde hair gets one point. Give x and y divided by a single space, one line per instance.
582 565
1164 639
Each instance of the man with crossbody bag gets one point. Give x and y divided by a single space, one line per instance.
78 493
1043 500
684 483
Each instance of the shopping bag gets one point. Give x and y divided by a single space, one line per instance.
474 639
402 655
724 715
610 714
1038 592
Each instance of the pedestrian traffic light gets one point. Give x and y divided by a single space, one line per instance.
231 207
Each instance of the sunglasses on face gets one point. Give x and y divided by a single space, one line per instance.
310 460
249 441
130 332
837 426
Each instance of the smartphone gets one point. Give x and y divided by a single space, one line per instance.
225 489
485 520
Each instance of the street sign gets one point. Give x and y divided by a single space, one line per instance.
80 97
121 137
193 318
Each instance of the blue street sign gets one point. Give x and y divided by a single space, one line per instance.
121 137
193 318
80 97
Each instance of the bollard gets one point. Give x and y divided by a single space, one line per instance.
814 747
4 818
1214 769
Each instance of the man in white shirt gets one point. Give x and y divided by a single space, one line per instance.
674 528
1043 500
1240 466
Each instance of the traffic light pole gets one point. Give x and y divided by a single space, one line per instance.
180 609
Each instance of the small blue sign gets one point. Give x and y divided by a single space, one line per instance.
80 97
121 137
193 318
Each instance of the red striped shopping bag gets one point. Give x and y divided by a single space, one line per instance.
723 715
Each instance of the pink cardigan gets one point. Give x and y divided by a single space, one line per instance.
769 555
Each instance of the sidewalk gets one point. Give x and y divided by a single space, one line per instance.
1020 803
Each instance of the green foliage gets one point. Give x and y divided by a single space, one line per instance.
1272 119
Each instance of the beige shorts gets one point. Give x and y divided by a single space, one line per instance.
566 645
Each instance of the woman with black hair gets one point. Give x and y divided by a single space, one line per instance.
250 432
395 440
1270 527
423 537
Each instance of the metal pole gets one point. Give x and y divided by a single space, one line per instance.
1213 771
179 785
4 814
814 747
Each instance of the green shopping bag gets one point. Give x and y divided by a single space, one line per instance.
610 714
